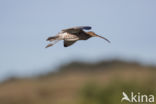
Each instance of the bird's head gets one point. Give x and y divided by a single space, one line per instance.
92 34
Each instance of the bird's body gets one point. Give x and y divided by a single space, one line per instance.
72 35
68 37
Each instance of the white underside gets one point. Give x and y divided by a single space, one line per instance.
69 37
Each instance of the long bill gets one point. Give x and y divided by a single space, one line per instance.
103 38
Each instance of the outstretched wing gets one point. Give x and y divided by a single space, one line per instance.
83 27
77 29
68 43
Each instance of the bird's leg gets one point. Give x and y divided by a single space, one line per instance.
49 45
52 43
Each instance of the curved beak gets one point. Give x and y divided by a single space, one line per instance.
103 38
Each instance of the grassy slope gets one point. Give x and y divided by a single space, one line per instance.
80 83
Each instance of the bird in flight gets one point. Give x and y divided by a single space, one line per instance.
71 35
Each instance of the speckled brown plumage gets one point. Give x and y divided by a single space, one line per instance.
71 35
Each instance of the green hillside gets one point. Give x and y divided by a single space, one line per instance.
82 83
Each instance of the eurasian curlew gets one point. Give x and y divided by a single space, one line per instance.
71 35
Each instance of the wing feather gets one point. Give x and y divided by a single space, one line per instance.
68 43
77 29
83 27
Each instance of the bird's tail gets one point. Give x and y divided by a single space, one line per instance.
52 38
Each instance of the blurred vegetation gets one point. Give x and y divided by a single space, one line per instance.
94 93
82 83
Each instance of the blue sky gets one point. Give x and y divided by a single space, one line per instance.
25 24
